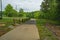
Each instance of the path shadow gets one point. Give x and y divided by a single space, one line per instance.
32 21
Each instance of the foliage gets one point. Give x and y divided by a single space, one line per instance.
30 14
9 11
37 14
44 33
20 12
58 10
50 9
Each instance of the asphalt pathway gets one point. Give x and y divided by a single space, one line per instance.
26 31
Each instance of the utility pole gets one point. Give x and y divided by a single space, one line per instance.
0 9
16 7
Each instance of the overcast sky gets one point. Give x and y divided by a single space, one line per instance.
27 5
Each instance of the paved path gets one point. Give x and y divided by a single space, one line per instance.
27 31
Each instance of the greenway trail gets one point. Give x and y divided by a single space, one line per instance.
26 31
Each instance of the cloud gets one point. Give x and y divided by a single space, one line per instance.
27 5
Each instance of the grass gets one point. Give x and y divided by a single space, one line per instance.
8 21
44 33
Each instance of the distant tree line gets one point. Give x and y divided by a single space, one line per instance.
11 12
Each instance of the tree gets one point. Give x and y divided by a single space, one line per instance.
14 13
58 10
45 9
36 14
48 7
21 12
8 10
52 11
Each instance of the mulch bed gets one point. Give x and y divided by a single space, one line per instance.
2 32
55 29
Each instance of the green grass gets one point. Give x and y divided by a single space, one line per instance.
9 21
44 33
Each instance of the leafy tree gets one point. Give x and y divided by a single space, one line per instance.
52 11
45 9
36 14
8 10
58 10
14 13
21 12
48 7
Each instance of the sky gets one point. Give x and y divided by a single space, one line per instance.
27 5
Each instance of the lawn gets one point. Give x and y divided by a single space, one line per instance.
45 33
8 21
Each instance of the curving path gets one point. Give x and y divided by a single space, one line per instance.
26 31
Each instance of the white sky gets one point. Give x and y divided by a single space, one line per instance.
27 5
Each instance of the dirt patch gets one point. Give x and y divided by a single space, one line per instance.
4 30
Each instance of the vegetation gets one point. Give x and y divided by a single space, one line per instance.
49 10
48 14
21 12
45 33
11 17
58 10
9 11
